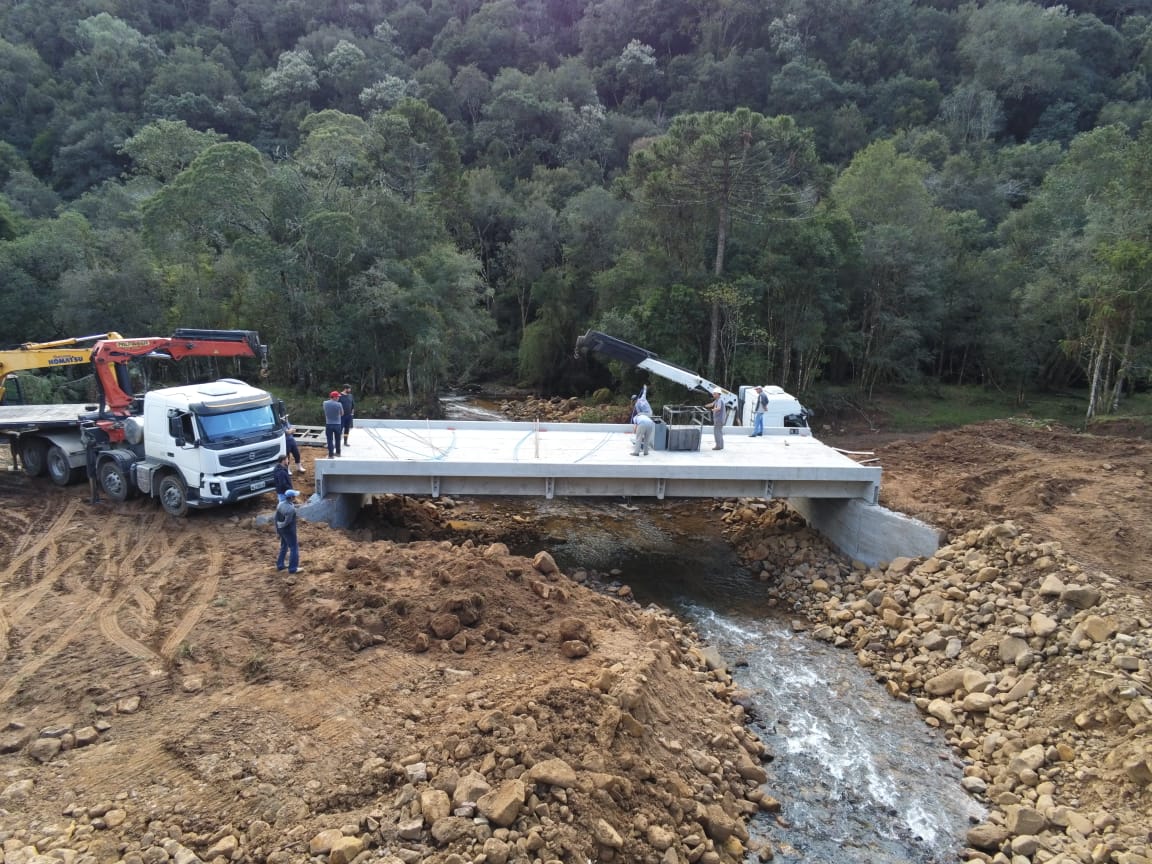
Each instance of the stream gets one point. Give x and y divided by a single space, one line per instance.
861 778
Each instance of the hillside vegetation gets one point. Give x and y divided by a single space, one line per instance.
406 195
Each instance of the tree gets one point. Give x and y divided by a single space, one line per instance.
903 243
164 148
713 170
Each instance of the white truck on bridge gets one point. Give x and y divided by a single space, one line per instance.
784 410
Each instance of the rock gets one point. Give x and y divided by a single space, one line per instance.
574 629
574 649
450 829
1051 586
410 829
1025 820
321 844
470 788
1139 771
502 805
977 703
1093 628
1042 625
496 851
946 683
987 836
661 837
1080 596
554 772
444 625
44 749
604 834
225 847
713 660
1012 649
941 709
434 805
345 850
718 824
545 563
1031 759
128 705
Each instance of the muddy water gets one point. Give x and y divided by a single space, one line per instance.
862 779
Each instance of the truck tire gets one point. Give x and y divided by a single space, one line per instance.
174 495
114 480
59 467
32 454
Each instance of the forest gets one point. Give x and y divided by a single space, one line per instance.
411 195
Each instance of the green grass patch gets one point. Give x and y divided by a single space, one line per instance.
923 409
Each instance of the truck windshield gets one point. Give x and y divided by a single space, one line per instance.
237 424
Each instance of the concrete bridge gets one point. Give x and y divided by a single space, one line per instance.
836 494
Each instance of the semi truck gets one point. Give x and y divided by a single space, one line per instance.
42 355
190 446
784 411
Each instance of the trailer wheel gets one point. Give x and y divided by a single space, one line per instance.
32 453
114 481
59 468
174 495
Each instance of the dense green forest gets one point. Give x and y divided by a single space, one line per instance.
414 194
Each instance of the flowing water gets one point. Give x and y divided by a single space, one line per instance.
862 779
468 408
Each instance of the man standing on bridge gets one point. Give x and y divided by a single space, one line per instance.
719 412
333 423
644 426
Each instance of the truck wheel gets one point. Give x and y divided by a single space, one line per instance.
174 495
114 481
59 468
32 454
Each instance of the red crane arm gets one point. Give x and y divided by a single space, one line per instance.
108 356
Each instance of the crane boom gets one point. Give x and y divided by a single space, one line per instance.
109 357
642 358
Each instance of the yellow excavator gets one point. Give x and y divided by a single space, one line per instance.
45 355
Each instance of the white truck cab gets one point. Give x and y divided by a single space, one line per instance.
784 410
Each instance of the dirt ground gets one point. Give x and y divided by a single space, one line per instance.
197 693
1090 492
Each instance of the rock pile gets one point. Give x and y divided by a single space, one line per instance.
1037 671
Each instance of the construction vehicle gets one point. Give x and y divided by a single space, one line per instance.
190 446
785 413
43 355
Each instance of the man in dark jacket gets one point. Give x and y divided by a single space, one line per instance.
282 477
286 531
349 406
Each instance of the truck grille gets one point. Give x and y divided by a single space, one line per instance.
251 457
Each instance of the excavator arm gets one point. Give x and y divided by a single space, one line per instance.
111 356
44 355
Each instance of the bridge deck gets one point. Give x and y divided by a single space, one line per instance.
584 459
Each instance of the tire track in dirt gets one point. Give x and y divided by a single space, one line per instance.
109 618
48 541
122 548
205 593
